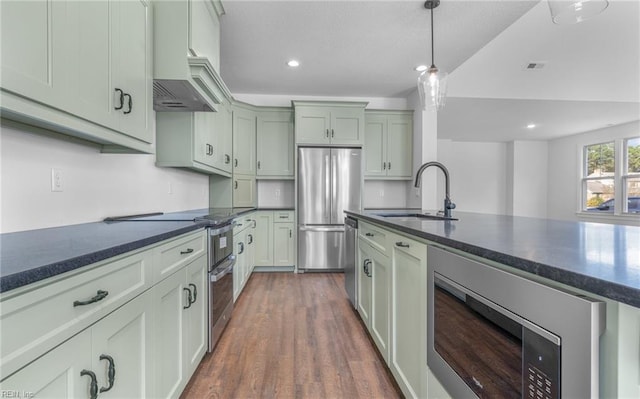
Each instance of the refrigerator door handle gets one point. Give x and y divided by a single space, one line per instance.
334 188
327 188
322 229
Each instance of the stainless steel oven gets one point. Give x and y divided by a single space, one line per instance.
221 263
493 334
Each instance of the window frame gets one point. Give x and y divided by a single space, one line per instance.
620 178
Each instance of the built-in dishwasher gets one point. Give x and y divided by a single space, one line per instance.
350 275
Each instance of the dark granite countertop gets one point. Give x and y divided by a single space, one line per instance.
30 256
600 258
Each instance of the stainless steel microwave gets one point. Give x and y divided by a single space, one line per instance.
493 334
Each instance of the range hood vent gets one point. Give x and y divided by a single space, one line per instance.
178 96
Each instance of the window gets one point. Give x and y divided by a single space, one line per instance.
607 176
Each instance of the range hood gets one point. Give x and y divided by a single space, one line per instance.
186 56
202 90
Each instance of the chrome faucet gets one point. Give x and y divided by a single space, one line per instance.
448 205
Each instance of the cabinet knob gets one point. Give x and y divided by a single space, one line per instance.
235 162
227 158
384 165
100 295
189 298
331 133
389 165
258 164
369 234
327 133
195 292
235 184
402 245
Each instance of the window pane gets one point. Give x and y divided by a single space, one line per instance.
633 155
633 195
599 195
600 160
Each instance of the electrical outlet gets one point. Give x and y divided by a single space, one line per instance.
170 188
381 193
417 191
277 193
56 180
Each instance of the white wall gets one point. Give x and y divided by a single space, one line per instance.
564 170
276 194
95 185
284 100
384 194
478 175
527 178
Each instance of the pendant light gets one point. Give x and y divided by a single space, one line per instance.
432 83
572 11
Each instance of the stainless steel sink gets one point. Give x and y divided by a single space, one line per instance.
420 216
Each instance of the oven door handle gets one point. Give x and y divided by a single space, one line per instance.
218 277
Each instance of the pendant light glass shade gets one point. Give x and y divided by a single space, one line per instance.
432 86
432 83
572 11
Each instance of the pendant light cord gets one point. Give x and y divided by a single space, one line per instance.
432 50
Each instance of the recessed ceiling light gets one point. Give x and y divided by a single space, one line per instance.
293 63
421 68
531 126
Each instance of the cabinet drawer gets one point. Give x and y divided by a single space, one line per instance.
35 321
407 245
176 254
374 236
282 216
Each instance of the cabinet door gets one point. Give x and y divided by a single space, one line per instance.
375 135
239 273
347 125
169 299
283 244
380 268
203 137
363 274
222 138
409 316
244 191
131 55
399 146
313 125
196 315
125 336
56 374
264 239
33 42
204 35
250 241
275 144
244 143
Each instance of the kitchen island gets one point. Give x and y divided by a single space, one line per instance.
596 261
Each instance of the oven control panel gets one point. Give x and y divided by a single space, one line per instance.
540 367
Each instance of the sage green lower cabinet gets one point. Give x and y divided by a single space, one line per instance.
364 283
283 244
264 238
376 269
409 315
244 251
180 327
125 336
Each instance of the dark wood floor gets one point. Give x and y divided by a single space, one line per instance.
293 336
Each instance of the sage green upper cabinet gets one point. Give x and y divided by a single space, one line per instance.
275 146
200 141
244 142
388 145
244 191
80 68
329 123
187 55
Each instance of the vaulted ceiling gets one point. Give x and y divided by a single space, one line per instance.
590 76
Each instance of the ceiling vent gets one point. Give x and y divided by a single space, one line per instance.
534 65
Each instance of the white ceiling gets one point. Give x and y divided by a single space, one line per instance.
369 49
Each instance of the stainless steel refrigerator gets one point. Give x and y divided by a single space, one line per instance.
329 182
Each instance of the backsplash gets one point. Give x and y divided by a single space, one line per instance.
276 194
